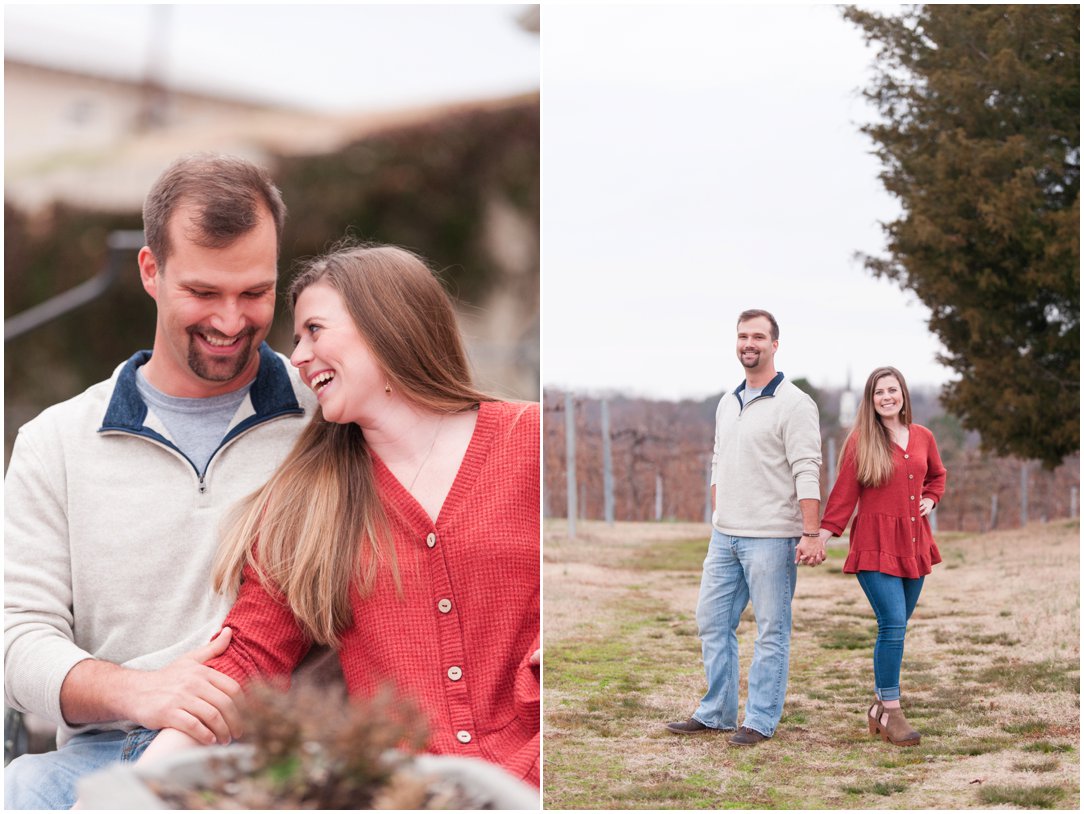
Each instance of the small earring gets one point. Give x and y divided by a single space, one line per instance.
387 387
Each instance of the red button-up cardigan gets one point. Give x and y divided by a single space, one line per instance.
888 533
459 639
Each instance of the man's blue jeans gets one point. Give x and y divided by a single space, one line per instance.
893 600
738 570
49 780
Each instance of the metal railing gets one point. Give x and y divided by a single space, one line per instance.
120 242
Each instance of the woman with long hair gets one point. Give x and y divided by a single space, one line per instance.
891 470
403 528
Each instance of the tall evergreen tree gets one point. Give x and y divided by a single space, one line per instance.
979 138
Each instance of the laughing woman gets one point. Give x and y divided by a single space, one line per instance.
403 528
891 469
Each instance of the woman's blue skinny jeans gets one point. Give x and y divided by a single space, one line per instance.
893 600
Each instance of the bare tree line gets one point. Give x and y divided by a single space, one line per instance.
660 456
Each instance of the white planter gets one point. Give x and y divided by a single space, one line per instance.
122 786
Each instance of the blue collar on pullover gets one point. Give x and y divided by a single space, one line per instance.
271 394
769 388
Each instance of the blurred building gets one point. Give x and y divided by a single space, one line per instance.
99 141
67 132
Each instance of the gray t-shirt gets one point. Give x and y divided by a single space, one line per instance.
196 426
749 393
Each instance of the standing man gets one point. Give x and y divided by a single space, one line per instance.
114 497
765 493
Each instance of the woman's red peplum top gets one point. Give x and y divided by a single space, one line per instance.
459 639
888 533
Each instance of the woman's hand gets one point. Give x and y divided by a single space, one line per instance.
925 506
167 742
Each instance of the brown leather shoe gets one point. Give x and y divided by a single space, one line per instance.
891 726
747 737
690 726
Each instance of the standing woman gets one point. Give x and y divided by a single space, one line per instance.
403 528
891 469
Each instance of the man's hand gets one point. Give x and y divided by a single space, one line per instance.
184 695
189 697
810 551
536 658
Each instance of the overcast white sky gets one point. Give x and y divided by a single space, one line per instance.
697 160
700 160
324 57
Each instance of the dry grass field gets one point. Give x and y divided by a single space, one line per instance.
991 677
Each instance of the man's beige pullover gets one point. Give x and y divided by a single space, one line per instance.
767 458
110 531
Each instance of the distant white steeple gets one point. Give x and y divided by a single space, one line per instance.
848 403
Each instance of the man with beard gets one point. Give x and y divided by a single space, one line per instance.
765 492
114 497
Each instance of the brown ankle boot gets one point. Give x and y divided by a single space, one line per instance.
873 714
891 726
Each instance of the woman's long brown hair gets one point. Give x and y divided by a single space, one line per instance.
317 527
869 438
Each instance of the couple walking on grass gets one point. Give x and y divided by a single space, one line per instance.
765 491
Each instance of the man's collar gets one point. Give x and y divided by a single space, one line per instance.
270 393
769 388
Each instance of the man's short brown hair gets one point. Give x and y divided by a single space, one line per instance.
753 313
228 193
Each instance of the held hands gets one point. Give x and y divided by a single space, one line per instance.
185 695
925 506
811 551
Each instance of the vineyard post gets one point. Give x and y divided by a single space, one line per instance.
1023 494
570 466
658 496
707 494
607 466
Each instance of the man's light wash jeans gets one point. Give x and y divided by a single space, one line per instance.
737 570
49 780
